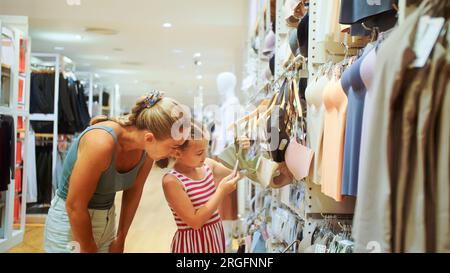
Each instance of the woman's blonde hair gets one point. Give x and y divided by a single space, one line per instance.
158 117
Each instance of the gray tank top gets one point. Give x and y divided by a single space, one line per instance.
111 181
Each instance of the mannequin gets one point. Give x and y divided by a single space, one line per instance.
226 85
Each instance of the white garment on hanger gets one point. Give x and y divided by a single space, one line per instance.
31 169
328 20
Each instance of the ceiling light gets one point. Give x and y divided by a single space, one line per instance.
78 37
199 77
73 2
67 60
96 75
198 63
197 55
59 48
136 81
95 86
177 51
167 25
101 31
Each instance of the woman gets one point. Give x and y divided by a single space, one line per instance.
109 156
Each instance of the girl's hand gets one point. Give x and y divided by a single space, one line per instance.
229 183
244 143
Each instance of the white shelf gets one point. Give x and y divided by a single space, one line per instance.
42 117
15 239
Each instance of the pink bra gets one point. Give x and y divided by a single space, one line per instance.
367 69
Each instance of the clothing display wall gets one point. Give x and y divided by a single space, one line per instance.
375 122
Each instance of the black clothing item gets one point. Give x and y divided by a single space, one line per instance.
41 93
66 118
82 106
7 151
44 174
73 113
354 11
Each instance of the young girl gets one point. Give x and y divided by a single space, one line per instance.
194 195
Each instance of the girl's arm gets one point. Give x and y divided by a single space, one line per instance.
130 202
94 156
179 201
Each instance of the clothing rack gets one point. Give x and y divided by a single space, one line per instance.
15 28
55 60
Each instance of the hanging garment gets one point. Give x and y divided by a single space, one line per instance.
210 237
7 151
335 102
415 203
354 11
44 173
439 158
31 169
66 116
82 105
372 221
42 88
315 122
328 27
356 94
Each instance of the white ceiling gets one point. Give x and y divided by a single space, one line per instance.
151 56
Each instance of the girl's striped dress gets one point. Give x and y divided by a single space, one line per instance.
208 239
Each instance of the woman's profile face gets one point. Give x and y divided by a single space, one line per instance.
161 149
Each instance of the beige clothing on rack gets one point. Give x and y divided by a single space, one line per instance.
372 220
335 102
442 156
315 122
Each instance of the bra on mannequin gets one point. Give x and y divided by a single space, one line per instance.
367 69
314 92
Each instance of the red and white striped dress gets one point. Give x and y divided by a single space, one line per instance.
208 239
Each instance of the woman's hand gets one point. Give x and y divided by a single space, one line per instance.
117 245
229 183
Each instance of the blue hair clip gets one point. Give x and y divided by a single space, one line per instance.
152 98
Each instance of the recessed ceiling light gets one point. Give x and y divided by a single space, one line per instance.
197 55
78 37
73 2
96 75
95 85
59 48
101 30
167 25
199 77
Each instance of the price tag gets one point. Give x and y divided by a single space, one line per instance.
427 34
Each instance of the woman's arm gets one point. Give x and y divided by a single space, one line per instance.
179 201
94 156
130 202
